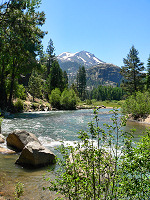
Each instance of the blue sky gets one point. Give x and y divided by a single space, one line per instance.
106 28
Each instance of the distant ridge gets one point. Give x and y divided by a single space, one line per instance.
103 74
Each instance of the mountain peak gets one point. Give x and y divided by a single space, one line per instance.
83 57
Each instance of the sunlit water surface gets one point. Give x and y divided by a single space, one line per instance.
51 128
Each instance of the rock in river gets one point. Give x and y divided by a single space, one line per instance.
35 155
19 139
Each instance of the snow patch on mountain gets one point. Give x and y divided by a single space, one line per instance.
83 57
66 56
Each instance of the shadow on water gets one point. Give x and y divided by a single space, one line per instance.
30 115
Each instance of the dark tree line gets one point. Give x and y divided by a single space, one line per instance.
102 93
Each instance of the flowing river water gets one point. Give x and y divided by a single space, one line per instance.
50 128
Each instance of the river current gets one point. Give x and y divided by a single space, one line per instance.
51 128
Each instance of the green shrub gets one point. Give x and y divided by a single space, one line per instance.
18 105
88 101
138 105
68 100
20 92
55 98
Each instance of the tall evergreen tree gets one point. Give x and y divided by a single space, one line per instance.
148 73
65 77
35 85
132 72
55 79
51 55
81 82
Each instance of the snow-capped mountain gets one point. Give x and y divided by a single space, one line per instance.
83 58
97 71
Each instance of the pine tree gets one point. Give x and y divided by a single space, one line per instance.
81 82
55 79
34 85
51 55
148 73
65 77
132 72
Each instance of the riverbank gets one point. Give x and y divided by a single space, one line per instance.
142 120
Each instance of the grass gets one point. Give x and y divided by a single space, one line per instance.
106 103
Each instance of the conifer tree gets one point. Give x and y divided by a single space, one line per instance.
51 55
55 79
34 85
132 72
148 73
65 77
81 82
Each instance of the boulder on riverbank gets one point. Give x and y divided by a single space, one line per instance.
18 139
35 155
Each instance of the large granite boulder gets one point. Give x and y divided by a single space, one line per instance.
19 139
35 155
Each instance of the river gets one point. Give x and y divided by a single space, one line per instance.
50 128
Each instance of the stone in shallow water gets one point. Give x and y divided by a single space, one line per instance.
35 155
19 139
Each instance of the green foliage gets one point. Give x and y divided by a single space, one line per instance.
19 190
65 79
135 169
148 73
51 55
20 43
132 72
138 105
20 92
55 79
18 105
107 93
55 98
88 102
99 167
68 100
81 82
35 85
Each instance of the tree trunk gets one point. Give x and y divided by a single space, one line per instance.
3 98
11 86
